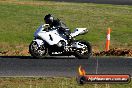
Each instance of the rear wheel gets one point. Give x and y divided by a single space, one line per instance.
37 52
85 52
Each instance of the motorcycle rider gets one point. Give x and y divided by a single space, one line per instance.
49 19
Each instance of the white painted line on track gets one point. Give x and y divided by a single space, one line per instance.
97 65
96 85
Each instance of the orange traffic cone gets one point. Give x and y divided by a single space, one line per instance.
108 40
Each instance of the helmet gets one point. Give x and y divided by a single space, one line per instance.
48 19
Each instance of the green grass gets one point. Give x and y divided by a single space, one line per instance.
19 21
52 82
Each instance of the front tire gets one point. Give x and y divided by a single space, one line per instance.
84 53
37 52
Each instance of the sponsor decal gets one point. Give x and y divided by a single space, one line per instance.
101 78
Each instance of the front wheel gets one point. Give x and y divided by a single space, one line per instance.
85 51
37 52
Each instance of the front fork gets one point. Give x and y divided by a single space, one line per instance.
39 42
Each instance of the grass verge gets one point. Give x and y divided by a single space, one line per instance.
52 82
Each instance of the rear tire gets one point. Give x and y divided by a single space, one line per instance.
84 53
37 52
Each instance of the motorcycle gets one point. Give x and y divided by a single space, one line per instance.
48 41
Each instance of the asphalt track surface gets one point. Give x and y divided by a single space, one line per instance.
63 66
116 2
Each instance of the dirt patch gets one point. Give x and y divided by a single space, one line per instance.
114 52
23 52
31 3
14 50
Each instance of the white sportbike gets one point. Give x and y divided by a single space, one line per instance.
49 42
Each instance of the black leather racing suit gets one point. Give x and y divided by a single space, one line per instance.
62 28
